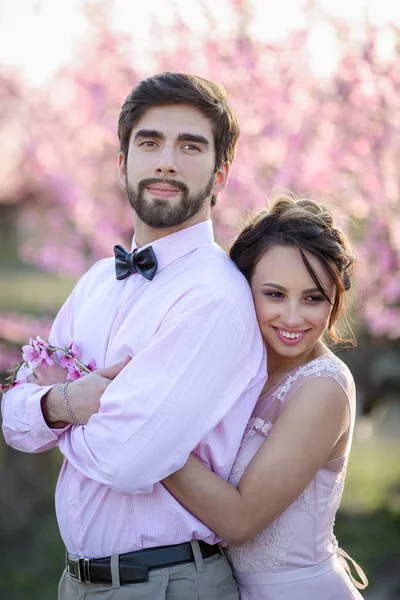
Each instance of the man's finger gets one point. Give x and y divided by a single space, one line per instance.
114 370
32 378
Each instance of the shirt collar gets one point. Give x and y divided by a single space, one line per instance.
171 247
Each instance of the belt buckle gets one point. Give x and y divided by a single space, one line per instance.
81 569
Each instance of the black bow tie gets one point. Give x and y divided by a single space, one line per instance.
140 261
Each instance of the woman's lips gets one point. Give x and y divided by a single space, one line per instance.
290 341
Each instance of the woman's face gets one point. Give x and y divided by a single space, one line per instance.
291 311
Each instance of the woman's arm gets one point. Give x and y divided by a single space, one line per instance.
301 441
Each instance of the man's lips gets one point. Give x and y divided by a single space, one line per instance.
163 190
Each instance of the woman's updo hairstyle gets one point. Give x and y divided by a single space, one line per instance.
309 227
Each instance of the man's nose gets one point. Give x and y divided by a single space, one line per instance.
166 165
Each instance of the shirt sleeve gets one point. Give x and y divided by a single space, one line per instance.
24 427
206 356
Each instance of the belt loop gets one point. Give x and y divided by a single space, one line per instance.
223 552
114 566
198 559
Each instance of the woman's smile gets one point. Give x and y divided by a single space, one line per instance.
291 338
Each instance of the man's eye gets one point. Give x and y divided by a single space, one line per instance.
147 144
191 148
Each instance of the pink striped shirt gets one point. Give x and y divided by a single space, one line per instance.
197 370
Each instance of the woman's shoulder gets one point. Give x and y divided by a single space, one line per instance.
326 366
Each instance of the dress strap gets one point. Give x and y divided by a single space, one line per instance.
344 557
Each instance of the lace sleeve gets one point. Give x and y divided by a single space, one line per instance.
324 366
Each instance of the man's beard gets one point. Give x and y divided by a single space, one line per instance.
157 212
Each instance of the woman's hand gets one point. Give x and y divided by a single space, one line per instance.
48 376
314 421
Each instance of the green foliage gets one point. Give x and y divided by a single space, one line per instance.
33 292
373 480
368 523
30 546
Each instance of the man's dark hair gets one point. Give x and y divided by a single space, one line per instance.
167 88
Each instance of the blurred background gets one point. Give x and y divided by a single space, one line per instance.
316 85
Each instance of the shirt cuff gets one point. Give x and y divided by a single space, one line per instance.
36 420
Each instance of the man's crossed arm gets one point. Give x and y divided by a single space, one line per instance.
83 395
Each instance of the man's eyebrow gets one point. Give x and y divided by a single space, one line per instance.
193 137
149 133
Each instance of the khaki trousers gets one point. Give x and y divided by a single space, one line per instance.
209 579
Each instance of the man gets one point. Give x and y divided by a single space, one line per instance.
184 314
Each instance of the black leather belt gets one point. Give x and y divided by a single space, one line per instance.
134 566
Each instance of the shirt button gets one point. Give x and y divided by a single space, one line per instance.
72 504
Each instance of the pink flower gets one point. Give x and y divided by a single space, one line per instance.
92 365
47 358
74 350
74 372
36 353
31 354
66 361
41 342
46 361
40 353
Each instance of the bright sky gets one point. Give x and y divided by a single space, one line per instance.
38 36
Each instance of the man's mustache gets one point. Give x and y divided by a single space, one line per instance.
144 183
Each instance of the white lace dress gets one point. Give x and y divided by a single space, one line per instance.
296 557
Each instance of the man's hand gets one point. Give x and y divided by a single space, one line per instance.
83 397
48 376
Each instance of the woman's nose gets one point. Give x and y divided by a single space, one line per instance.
292 317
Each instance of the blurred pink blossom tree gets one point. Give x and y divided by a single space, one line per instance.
335 139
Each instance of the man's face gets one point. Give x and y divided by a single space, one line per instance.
170 172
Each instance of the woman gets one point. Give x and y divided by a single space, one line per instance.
277 511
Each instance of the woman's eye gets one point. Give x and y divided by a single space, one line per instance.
315 299
273 294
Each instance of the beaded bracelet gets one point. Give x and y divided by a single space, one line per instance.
67 406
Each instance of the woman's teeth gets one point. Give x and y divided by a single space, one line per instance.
286 334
